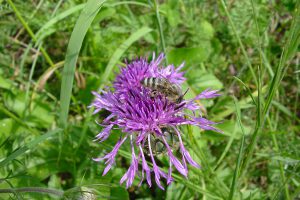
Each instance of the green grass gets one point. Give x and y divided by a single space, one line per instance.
53 54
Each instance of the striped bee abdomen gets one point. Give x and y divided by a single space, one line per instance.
152 82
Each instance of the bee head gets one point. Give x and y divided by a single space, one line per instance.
180 99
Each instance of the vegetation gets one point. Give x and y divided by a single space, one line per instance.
54 53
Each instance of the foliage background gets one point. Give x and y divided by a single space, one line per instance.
248 49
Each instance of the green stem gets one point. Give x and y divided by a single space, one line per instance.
30 32
258 126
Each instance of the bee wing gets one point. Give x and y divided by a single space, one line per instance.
176 89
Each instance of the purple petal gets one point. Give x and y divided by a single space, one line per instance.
186 155
107 168
157 176
207 94
189 158
174 160
104 134
111 156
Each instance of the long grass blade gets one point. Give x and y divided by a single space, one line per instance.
234 183
83 23
293 41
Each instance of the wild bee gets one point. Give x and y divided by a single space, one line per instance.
163 86
158 146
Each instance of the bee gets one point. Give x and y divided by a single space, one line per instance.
163 86
158 146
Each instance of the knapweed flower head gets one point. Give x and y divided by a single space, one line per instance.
144 119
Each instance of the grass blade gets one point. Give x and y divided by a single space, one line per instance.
83 23
239 159
17 119
247 88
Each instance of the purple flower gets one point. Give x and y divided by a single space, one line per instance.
144 118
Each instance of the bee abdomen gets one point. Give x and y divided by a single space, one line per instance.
150 82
